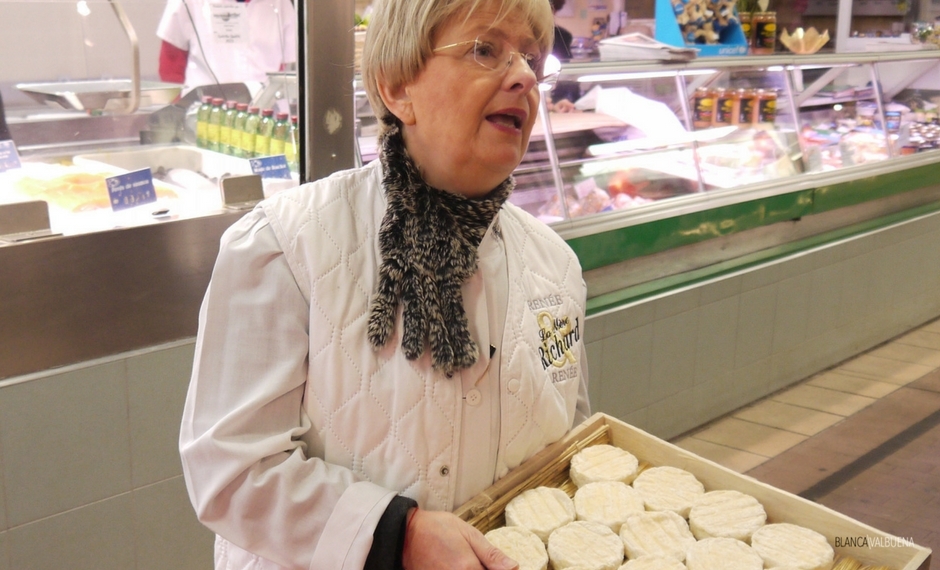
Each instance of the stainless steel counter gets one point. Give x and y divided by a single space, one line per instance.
71 299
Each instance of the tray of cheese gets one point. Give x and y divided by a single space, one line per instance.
551 468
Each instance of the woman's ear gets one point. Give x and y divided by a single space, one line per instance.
398 101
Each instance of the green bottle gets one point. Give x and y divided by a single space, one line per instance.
215 124
202 122
250 132
265 129
290 146
280 133
225 129
238 127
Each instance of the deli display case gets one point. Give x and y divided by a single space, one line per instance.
675 137
658 155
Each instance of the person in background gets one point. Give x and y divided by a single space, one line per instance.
562 46
565 93
207 42
379 346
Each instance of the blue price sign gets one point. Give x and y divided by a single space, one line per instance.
9 158
131 189
270 166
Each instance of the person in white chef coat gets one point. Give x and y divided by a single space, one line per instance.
377 347
207 42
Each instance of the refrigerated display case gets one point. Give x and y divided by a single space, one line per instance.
644 165
80 276
639 143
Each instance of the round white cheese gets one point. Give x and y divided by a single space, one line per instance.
520 544
656 533
607 502
785 544
602 463
541 510
585 543
729 514
722 554
669 489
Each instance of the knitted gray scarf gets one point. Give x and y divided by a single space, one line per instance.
428 241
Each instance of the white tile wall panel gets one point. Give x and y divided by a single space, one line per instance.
65 441
98 536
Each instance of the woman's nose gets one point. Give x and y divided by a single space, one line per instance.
520 72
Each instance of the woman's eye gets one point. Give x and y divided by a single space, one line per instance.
533 60
485 50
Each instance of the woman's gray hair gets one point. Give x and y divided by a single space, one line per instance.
401 35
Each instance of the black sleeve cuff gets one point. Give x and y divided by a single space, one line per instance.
389 537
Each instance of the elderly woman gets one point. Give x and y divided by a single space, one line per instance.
377 347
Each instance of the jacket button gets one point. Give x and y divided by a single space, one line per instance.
474 397
514 385
445 470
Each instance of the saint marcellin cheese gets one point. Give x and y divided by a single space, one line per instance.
669 489
656 533
793 546
602 463
520 544
729 514
541 510
653 563
722 554
585 543
607 502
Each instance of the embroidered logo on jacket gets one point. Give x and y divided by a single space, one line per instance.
558 336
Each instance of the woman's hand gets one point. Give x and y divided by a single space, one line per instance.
441 540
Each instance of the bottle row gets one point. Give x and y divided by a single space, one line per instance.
238 130
721 107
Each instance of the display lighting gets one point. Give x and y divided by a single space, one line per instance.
551 69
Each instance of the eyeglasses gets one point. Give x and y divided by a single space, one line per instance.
495 56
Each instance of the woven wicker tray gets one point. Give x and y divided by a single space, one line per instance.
549 467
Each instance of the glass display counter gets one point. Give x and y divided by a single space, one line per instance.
675 137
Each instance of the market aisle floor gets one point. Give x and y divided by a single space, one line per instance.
862 438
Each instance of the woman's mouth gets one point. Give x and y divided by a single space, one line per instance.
508 119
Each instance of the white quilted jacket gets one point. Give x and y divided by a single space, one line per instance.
297 456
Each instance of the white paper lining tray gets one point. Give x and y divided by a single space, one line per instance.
101 94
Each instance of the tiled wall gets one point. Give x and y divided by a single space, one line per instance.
672 363
90 474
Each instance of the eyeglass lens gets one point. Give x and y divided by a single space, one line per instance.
495 55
